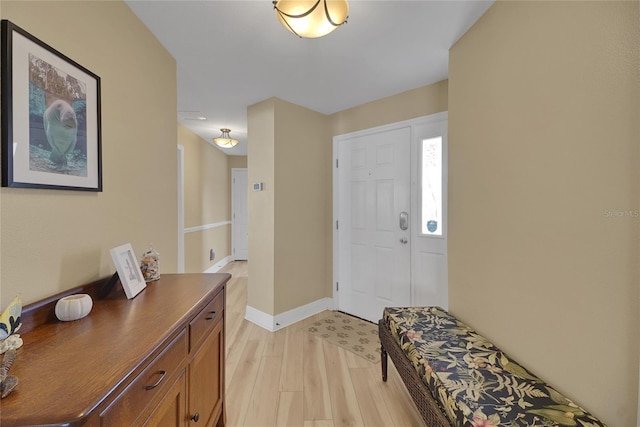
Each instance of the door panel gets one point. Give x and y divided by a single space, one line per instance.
240 216
374 266
430 273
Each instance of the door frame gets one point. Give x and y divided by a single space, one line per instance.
432 118
180 155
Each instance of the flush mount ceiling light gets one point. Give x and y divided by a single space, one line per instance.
311 18
224 140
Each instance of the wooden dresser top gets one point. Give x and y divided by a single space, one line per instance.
67 369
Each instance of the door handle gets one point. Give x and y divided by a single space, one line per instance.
404 220
404 240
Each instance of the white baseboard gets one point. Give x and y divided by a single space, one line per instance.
260 318
290 317
282 320
217 266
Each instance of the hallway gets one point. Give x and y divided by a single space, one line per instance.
292 378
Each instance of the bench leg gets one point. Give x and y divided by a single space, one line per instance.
383 363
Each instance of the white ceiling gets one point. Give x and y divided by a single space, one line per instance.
232 54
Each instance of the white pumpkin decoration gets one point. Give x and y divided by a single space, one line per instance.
73 307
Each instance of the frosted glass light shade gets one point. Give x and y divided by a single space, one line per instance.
224 140
311 18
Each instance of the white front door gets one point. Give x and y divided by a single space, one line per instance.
240 214
374 227
390 207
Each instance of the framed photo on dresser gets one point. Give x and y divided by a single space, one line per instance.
128 270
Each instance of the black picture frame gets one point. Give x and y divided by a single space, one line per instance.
51 116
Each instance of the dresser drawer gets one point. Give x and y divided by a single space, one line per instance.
204 322
148 385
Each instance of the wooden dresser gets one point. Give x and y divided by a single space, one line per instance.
155 360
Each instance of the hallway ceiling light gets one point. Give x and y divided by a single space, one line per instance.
311 18
224 140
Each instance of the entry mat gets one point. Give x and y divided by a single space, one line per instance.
351 333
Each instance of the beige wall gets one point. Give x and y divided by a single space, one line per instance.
237 162
207 200
53 240
411 104
543 193
198 243
302 151
287 221
207 186
261 205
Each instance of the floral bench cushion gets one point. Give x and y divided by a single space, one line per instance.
474 381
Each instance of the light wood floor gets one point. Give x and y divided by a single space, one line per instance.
292 378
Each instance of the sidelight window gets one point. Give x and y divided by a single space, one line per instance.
431 187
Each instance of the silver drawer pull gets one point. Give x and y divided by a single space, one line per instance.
152 386
213 313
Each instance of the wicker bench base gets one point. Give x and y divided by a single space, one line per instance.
427 406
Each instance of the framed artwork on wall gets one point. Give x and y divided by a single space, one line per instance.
128 270
51 128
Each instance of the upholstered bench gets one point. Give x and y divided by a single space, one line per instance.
458 378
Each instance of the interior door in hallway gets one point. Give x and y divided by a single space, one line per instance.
374 267
239 215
